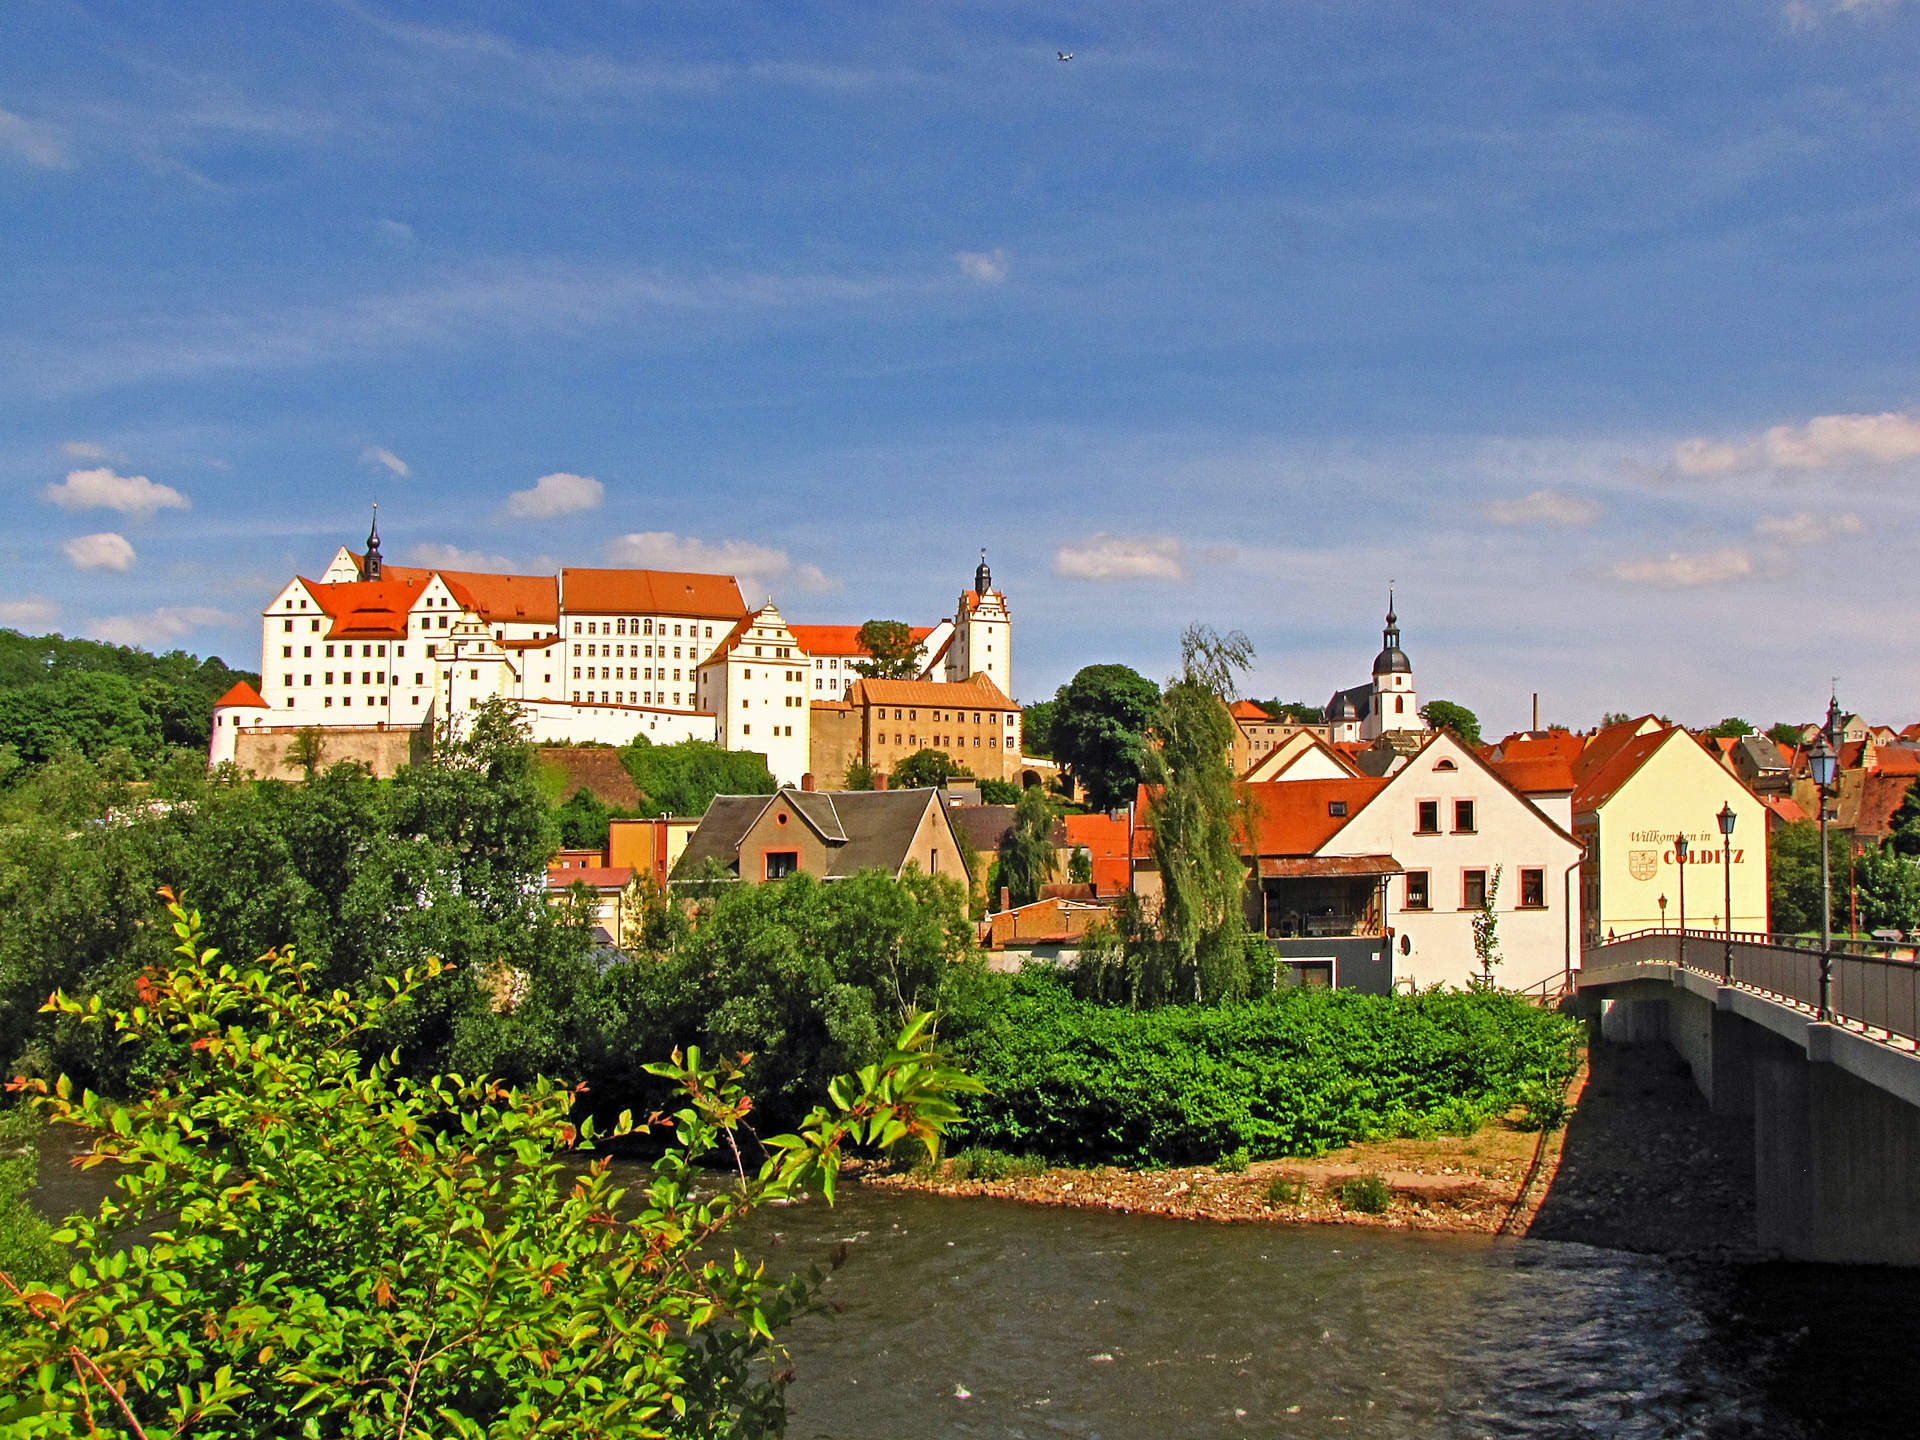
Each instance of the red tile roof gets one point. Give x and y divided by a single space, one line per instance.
842 639
1535 776
1291 817
1247 710
1787 809
1595 784
519 599
1554 745
594 877
978 693
1895 760
368 609
241 694
651 592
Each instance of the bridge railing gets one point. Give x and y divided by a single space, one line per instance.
1877 993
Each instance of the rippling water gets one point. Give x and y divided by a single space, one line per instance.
983 1318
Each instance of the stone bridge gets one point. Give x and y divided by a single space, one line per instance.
1835 1101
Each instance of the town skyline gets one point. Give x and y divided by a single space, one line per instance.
1586 329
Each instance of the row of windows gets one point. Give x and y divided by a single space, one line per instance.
635 627
628 697
941 742
1473 889
1427 817
620 672
346 652
779 731
954 717
367 677
619 652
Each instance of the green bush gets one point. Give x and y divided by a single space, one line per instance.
1234 1162
27 1251
1286 1190
1292 1073
977 1162
1543 1104
1368 1194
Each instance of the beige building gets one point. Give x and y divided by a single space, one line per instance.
973 721
1256 735
1638 785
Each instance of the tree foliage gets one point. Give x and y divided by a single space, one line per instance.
1731 728
1296 711
1099 731
1785 734
999 792
1486 930
682 778
302 1241
1445 715
892 652
925 768
1026 856
1036 728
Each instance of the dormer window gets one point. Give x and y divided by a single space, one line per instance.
1446 765
1337 808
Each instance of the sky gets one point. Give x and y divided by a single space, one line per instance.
1589 326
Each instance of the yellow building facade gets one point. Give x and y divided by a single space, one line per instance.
1628 807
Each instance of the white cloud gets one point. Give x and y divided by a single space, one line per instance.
35 144
1706 457
989 267
380 455
1804 528
1828 440
133 495
663 550
1677 571
87 450
394 230
106 551
452 557
156 627
556 494
1544 507
1122 557
27 612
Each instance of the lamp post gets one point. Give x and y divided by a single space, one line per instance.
1680 859
1663 914
1823 763
1726 817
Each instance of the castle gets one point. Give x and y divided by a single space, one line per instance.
371 650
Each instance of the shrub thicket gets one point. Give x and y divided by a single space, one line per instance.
1293 1073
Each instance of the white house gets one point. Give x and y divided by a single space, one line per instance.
756 684
1414 855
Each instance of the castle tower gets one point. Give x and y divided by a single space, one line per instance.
372 570
982 634
1395 703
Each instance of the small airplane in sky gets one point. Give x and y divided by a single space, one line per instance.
1063 54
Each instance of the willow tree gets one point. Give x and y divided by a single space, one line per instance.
1197 823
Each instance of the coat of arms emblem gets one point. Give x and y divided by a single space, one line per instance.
1643 864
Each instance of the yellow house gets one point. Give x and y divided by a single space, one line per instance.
1638 785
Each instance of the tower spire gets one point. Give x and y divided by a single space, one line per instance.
371 570
1391 635
982 577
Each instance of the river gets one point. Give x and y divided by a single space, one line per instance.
980 1319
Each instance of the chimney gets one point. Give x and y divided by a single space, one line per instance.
806 781
1006 897
1536 712
879 782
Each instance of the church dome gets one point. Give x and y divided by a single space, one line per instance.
1392 661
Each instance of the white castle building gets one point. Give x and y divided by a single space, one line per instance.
588 655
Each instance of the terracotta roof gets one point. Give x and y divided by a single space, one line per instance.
828 705
1880 796
1291 817
1786 808
594 877
1247 710
1100 834
1552 745
1895 760
842 639
1850 752
241 694
1911 732
543 642
1604 744
1535 776
520 599
1302 867
977 693
1595 784
656 592
368 609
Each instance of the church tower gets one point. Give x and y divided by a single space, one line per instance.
1395 703
982 634
371 570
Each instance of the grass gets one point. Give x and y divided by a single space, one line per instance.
977 1162
1368 1194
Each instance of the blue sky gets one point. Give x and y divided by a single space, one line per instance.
1590 324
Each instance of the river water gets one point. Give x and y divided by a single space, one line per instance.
986 1319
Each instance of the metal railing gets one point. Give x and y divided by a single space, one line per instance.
1875 993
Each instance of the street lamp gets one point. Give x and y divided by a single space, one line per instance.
1680 859
1663 914
1726 817
1824 764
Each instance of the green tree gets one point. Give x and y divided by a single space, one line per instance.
1080 866
1904 827
1886 889
893 653
999 792
1026 856
1486 931
1197 823
1731 728
346 1252
1785 734
683 778
1793 877
1614 717
925 768
1036 728
859 775
1445 715
1099 731
1296 711
307 751
583 821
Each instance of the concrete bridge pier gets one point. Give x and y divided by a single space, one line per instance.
1836 1115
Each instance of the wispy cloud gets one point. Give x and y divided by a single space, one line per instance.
664 550
988 267
87 450
1825 442
101 489
451 557
397 230
558 494
380 455
36 144
1544 507
1682 571
1122 557
27 611
155 627
1805 528
106 551
556 298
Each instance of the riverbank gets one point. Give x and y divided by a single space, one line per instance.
1642 1165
